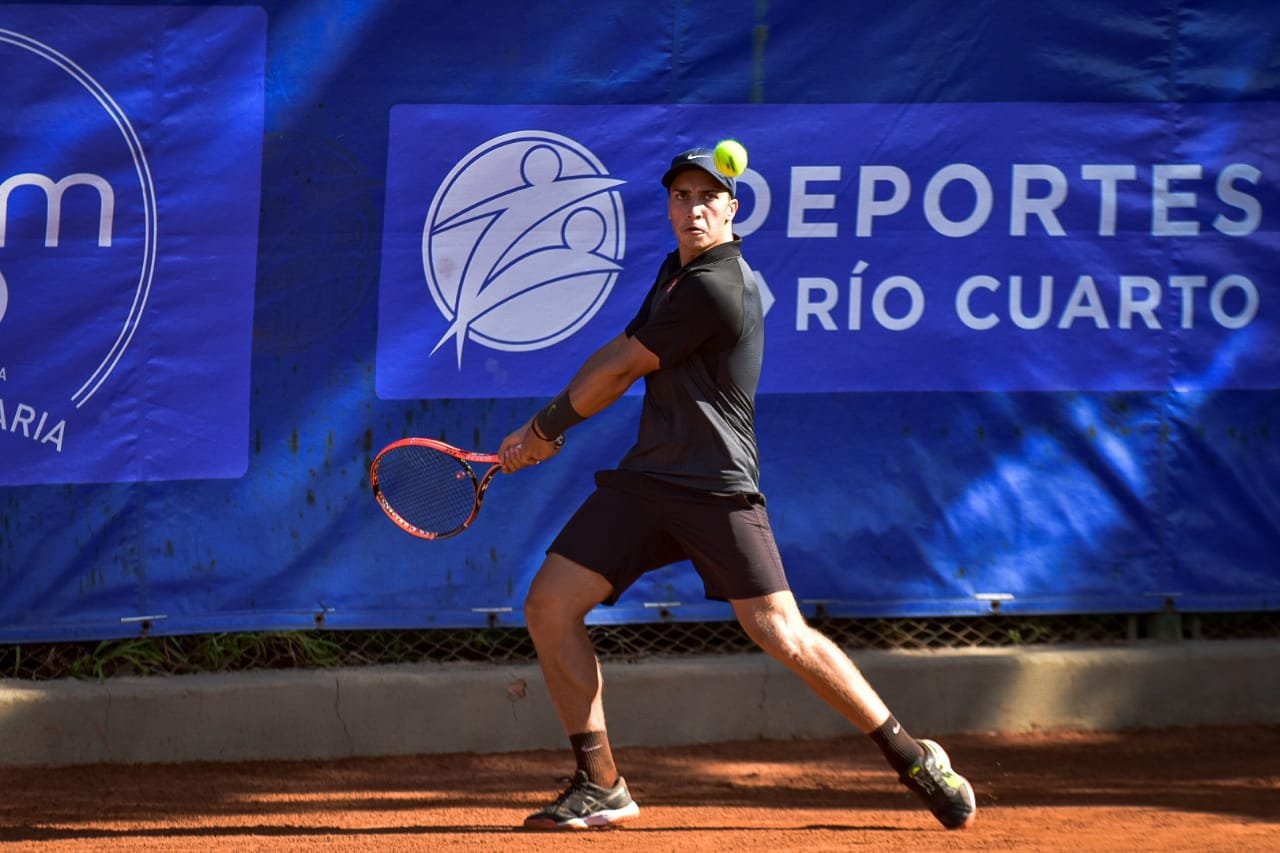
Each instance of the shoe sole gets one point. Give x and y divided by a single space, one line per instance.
968 822
599 820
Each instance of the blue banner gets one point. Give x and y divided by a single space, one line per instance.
1021 344
941 247
130 165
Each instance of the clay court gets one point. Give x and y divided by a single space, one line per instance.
1204 789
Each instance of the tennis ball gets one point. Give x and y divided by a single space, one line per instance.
730 157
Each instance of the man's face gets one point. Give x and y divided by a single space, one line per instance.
701 212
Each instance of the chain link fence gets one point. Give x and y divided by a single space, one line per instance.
328 649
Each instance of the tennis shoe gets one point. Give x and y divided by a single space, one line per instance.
584 805
947 794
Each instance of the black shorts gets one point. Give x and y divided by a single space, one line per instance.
632 524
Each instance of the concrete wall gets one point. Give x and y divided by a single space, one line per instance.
370 711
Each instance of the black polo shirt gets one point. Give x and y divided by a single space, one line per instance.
705 323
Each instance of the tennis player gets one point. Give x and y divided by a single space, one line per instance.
688 488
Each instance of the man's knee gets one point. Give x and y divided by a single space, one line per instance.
777 631
562 592
542 606
535 605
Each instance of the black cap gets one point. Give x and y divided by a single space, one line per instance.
698 158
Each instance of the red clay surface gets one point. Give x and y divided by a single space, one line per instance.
1209 789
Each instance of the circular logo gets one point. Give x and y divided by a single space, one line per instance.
523 242
71 183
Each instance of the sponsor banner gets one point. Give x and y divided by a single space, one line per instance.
130 163
947 247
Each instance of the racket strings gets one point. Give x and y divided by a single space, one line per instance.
429 489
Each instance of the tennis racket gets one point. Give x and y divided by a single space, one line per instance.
428 488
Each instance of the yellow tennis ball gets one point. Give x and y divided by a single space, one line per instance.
730 157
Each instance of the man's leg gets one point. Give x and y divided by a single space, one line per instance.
776 624
561 595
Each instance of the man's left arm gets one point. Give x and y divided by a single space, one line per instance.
603 378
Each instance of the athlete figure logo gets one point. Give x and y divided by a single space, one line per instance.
522 243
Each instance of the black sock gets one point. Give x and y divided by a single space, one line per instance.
592 753
898 747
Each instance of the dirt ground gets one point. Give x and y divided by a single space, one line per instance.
1209 789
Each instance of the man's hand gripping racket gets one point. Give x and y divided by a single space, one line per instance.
429 489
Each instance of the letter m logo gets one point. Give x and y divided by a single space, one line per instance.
53 192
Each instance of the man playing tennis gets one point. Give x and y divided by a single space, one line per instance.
688 488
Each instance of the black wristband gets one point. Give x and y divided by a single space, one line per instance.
556 418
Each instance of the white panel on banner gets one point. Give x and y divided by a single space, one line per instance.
941 247
130 164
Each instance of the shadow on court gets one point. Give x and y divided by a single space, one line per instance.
1218 787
